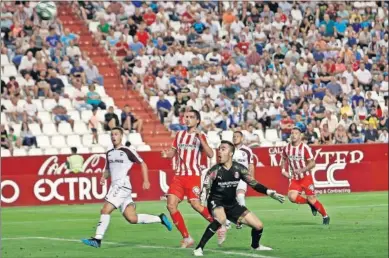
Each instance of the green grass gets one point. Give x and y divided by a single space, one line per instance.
359 228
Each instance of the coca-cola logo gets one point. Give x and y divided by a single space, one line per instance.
93 164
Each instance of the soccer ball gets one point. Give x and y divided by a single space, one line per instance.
46 10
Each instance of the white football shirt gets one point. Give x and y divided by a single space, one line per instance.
120 161
243 155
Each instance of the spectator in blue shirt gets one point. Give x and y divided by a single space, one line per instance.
329 25
340 27
319 89
78 72
67 37
136 46
199 26
52 40
356 98
163 106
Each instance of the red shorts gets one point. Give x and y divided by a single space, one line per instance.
305 184
189 186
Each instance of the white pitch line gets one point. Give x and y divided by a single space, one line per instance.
139 246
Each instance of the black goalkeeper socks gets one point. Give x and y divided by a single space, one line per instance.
255 237
208 234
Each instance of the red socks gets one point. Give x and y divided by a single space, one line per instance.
205 213
319 207
178 220
300 200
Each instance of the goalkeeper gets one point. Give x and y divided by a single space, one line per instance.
219 190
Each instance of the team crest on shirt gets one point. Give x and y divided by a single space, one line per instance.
196 190
236 175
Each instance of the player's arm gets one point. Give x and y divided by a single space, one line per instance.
204 144
251 164
169 154
133 156
207 184
284 172
145 174
260 188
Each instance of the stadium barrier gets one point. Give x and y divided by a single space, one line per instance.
43 180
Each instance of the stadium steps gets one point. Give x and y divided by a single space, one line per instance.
154 133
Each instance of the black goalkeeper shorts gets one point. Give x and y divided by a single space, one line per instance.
234 212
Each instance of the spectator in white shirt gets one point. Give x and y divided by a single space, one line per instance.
79 98
138 69
331 120
31 112
162 82
346 88
302 67
384 88
27 62
364 78
29 85
92 74
244 80
73 50
194 101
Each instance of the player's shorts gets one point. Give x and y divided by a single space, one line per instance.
304 184
234 213
189 186
242 186
119 195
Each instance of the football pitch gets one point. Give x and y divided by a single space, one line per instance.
359 228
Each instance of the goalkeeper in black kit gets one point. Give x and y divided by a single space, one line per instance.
219 190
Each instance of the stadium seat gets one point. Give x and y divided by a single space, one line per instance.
5 153
65 151
35 152
266 144
65 128
80 128
45 117
3 118
86 115
69 91
6 103
271 135
19 152
66 103
101 115
75 115
43 141
83 150
227 135
38 104
87 140
153 101
108 101
260 135
35 129
49 104
10 70
105 140
4 78
97 149
135 139
51 151
93 26
281 144
101 91
73 140
4 60
58 141
143 147
49 129
213 138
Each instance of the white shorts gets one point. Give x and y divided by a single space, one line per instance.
242 186
119 196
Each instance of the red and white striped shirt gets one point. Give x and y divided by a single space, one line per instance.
188 154
297 157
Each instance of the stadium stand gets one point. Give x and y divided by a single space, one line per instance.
260 67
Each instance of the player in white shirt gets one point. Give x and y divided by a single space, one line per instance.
119 161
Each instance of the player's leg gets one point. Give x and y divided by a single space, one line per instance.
241 196
175 195
102 226
309 190
192 189
129 213
294 195
248 218
219 219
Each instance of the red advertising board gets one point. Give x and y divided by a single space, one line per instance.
42 180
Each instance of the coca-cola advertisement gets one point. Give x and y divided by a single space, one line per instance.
43 180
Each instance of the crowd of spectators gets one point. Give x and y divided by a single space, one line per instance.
245 65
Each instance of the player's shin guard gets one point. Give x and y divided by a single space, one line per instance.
102 226
255 237
301 200
320 208
205 213
240 197
208 234
178 220
148 219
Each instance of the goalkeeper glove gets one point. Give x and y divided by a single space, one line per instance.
276 196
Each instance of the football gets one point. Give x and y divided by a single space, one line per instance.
46 10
